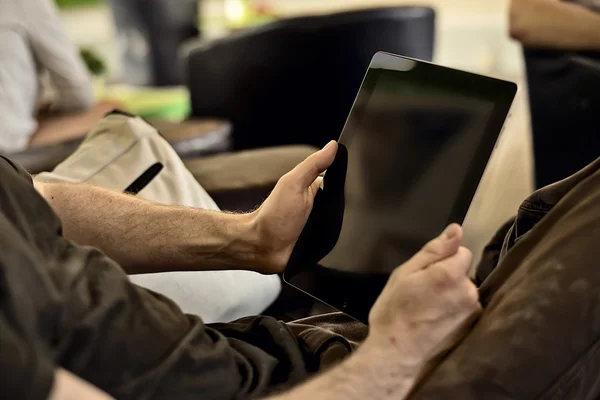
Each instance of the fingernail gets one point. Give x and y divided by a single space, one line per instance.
328 145
449 232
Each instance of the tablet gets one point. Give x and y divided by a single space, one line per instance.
410 158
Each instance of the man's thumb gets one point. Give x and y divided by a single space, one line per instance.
308 170
440 248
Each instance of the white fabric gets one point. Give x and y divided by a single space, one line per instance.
117 151
18 91
33 40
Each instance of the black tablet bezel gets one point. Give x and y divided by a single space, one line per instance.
499 92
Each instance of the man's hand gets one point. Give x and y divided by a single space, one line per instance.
427 304
426 308
158 238
281 218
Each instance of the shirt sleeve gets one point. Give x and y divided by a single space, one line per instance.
58 55
18 88
20 170
28 301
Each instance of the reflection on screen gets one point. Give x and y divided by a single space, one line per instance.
409 150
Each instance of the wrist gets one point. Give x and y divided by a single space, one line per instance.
229 242
384 370
247 242
270 257
388 353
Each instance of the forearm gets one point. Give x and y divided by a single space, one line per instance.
367 374
73 99
554 24
146 237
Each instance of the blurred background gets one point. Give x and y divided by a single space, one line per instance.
471 34
467 34
244 90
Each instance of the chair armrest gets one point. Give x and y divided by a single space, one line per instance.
242 180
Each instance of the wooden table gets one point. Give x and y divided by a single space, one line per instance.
196 137
191 139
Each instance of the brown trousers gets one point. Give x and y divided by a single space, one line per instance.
539 336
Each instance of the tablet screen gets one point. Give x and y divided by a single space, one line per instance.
410 157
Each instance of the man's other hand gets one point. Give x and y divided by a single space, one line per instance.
427 305
281 218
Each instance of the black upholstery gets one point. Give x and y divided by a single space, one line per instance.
564 95
294 81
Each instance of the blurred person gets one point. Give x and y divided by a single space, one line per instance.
34 42
558 25
69 315
149 34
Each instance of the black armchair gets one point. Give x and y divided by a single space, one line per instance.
564 96
294 81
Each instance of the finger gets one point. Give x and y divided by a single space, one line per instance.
308 170
452 269
470 295
440 248
461 296
316 185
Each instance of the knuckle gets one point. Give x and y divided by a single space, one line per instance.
470 295
455 271
465 254
441 277
433 247
448 269
395 275
285 179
